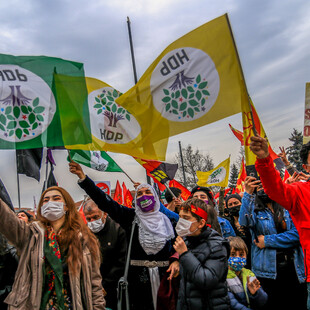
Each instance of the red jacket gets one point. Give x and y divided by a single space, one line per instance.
293 197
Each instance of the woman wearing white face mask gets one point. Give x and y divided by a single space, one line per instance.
203 260
59 263
151 243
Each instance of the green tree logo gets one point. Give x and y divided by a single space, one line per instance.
185 98
105 104
20 115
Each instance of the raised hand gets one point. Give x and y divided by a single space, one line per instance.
303 176
259 146
250 183
253 286
282 155
294 178
75 168
179 245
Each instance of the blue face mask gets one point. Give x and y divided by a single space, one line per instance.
236 263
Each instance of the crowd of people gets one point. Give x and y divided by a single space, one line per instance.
181 255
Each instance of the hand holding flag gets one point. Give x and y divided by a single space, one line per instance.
259 146
75 168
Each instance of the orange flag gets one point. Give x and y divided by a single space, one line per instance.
127 196
118 195
185 192
238 134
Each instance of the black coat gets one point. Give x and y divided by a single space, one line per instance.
203 270
113 247
139 286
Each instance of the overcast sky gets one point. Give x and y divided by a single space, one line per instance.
272 38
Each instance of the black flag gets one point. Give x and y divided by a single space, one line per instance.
29 162
5 196
51 181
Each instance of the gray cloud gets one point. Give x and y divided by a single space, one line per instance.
272 39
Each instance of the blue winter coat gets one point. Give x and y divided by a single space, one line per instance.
261 222
239 295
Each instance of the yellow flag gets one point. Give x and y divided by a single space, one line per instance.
195 81
114 128
248 132
215 177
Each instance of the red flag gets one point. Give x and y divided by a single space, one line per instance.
241 177
185 192
227 190
127 196
82 213
160 172
238 134
118 195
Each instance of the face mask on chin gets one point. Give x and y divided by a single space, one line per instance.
53 210
183 227
146 203
96 226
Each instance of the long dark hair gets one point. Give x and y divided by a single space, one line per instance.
70 239
278 210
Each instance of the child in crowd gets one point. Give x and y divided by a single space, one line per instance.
244 289
203 260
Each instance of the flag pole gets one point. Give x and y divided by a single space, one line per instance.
132 51
246 88
148 179
170 191
46 172
182 162
18 187
129 177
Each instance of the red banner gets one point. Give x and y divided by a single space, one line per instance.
118 195
127 196
185 192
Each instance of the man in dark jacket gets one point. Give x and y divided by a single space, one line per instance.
113 246
203 260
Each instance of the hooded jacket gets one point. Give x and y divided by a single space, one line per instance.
203 270
27 288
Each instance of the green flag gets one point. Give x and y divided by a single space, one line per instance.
97 160
43 102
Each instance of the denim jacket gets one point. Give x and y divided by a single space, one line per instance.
226 227
262 223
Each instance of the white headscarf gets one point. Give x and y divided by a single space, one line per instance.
155 228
